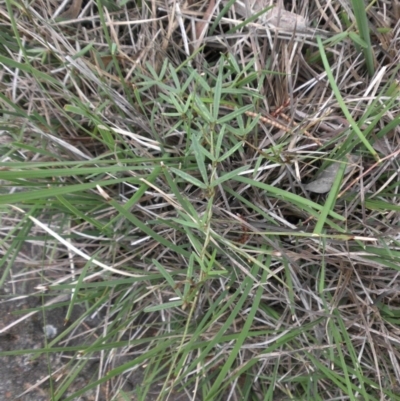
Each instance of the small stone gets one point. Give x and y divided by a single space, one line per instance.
50 331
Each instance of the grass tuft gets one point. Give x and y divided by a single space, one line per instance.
165 190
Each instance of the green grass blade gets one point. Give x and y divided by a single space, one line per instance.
342 104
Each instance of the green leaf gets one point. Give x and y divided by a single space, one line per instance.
168 277
199 155
296 200
187 177
230 175
330 202
356 38
363 28
235 114
341 102
217 91
164 306
230 152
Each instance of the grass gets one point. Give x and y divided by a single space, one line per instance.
169 189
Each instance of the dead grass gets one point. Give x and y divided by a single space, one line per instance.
170 171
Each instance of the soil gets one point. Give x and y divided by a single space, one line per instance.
32 377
